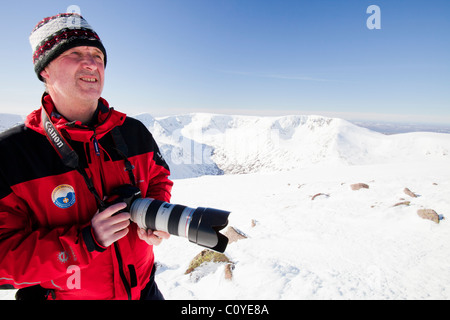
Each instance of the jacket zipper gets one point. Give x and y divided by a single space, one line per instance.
122 274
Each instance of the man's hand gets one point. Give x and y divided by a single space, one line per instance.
108 228
152 237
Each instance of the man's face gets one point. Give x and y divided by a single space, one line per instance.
77 74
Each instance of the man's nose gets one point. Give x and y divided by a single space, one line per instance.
89 62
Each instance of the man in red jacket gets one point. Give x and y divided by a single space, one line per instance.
57 169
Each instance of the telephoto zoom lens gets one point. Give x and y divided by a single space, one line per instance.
200 225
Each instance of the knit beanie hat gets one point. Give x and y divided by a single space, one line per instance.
54 35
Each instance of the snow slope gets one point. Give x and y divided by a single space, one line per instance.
314 237
344 244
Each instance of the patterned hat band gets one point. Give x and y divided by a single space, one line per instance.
54 35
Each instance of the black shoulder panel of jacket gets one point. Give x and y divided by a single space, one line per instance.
139 140
26 155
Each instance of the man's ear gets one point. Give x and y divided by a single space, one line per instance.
44 74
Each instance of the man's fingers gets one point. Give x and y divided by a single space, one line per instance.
111 210
110 226
118 235
161 234
152 237
113 224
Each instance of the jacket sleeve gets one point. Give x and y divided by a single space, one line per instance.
29 255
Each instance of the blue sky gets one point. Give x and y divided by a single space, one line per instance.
262 57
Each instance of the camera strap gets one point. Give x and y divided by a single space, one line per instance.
68 156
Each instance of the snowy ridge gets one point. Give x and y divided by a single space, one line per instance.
9 120
198 144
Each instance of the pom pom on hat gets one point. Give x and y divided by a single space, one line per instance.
54 35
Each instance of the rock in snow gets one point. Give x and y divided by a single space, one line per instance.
429 214
358 186
409 193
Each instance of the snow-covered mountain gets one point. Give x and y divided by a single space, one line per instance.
198 144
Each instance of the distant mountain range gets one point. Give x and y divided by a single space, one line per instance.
211 144
199 143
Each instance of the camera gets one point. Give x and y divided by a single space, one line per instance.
199 225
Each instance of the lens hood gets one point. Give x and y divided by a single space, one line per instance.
205 226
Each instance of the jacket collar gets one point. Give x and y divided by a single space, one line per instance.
105 119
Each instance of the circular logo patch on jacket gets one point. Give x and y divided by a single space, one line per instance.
63 196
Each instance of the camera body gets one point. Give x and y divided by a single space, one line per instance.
199 225
125 193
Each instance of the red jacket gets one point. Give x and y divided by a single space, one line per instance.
46 207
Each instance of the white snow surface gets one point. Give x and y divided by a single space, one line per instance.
343 244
